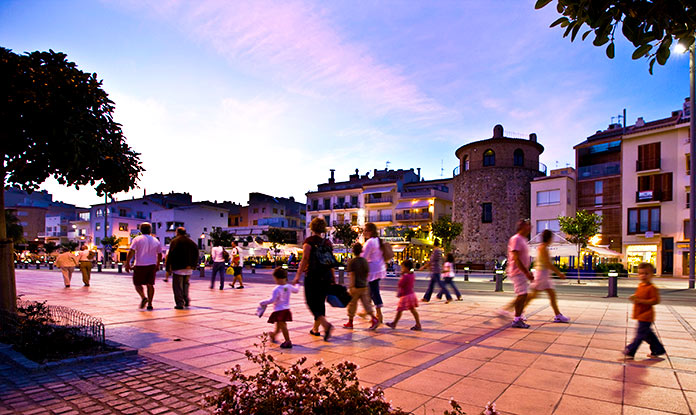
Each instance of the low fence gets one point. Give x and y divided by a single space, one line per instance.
84 324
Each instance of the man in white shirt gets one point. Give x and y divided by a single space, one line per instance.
218 254
147 251
85 262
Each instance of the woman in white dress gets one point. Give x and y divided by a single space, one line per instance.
543 267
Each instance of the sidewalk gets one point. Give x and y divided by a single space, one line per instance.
464 352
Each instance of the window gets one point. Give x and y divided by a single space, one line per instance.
263 210
97 226
548 197
688 163
648 157
465 163
275 210
551 224
84 216
688 198
222 215
99 213
122 212
327 219
641 220
488 158
327 203
518 157
282 212
139 215
315 204
354 201
123 227
687 230
256 222
655 187
256 210
487 212
353 219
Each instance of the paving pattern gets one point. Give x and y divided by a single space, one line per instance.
465 352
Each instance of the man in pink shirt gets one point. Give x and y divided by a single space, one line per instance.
518 269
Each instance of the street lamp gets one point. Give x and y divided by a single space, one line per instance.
680 48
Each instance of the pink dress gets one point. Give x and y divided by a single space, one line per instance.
407 297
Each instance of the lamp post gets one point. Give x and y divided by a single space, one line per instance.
692 167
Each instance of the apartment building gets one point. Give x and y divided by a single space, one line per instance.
199 219
552 196
264 212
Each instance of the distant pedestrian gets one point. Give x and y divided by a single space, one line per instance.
66 261
182 259
147 252
542 276
318 264
359 291
85 258
372 252
237 265
448 275
220 257
281 306
518 270
407 296
435 266
646 296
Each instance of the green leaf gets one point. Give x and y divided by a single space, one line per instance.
584 35
650 68
600 40
610 50
641 51
576 29
541 3
559 21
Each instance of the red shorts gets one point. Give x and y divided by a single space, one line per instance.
144 275
282 315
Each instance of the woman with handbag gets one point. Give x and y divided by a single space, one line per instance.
372 252
318 264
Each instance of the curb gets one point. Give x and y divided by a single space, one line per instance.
19 360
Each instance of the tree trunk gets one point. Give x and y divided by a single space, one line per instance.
8 290
577 266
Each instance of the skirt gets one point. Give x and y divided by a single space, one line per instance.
281 315
542 280
407 302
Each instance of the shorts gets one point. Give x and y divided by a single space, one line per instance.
281 315
237 270
144 275
521 283
542 281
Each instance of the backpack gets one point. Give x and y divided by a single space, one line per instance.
321 256
225 255
387 252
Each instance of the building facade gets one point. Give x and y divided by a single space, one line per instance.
552 196
492 192
199 219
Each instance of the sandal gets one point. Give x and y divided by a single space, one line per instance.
417 328
314 333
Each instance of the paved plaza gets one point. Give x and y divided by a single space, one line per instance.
465 352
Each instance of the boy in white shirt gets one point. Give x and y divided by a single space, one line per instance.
281 306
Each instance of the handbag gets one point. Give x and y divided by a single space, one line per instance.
338 296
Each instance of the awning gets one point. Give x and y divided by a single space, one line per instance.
385 189
398 249
604 252
416 204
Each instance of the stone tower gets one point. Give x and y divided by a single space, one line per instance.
492 192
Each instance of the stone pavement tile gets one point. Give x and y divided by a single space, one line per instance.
438 347
474 391
496 341
498 372
213 359
687 381
681 352
526 401
607 344
380 372
412 358
547 380
595 388
607 355
606 370
691 399
514 357
406 400
428 382
457 366
192 352
683 363
531 346
410 342
437 406
649 376
380 352
634 410
653 397
479 353
574 405
574 339
556 363
542 337
566 349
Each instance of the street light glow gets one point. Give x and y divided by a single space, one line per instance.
680 48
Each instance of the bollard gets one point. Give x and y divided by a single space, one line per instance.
16 264
26 265
341 272
499 280
99 266
201 270
466 273
613 284
120 267
50 266
253 268
38 265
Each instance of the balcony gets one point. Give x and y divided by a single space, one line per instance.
426 193
380 218
345 206
612 168
382 199
649 196
648 164
413 216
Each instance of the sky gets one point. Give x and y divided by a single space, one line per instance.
222 98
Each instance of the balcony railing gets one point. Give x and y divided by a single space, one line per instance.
383 199
413 216
649 196
345 206
380 218
647 164
612 168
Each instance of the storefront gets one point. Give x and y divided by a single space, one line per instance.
635 254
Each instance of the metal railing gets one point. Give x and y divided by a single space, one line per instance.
413 216
383 199
612 168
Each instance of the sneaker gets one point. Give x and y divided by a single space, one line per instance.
654 356
392 325
460 299
67 286
314 333
231 285
448 301
179 307
222 288
520 324
348 325
425 300
375 324
149 307
627 355
416 328
240 287
523 317
561 319
286 345
143 303
327 333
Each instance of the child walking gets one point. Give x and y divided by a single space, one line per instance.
645 297
281 306
407 297
358 269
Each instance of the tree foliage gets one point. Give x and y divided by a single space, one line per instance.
446 230
651 26
345 233
111 241
70 245
579 229
14 230
221 238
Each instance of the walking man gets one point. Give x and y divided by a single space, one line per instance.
518 269
435 265
85 258
181 261
67 262
219 257
147 252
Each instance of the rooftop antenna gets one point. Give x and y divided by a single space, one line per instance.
388 163
556 163
442 168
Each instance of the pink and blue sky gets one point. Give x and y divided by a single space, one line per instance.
227 97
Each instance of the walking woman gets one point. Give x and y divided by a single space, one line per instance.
542 276
448 277
318 275
435 265
372 252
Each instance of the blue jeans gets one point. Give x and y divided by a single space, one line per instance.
449 281
435 279
374 293
218 267
644 332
